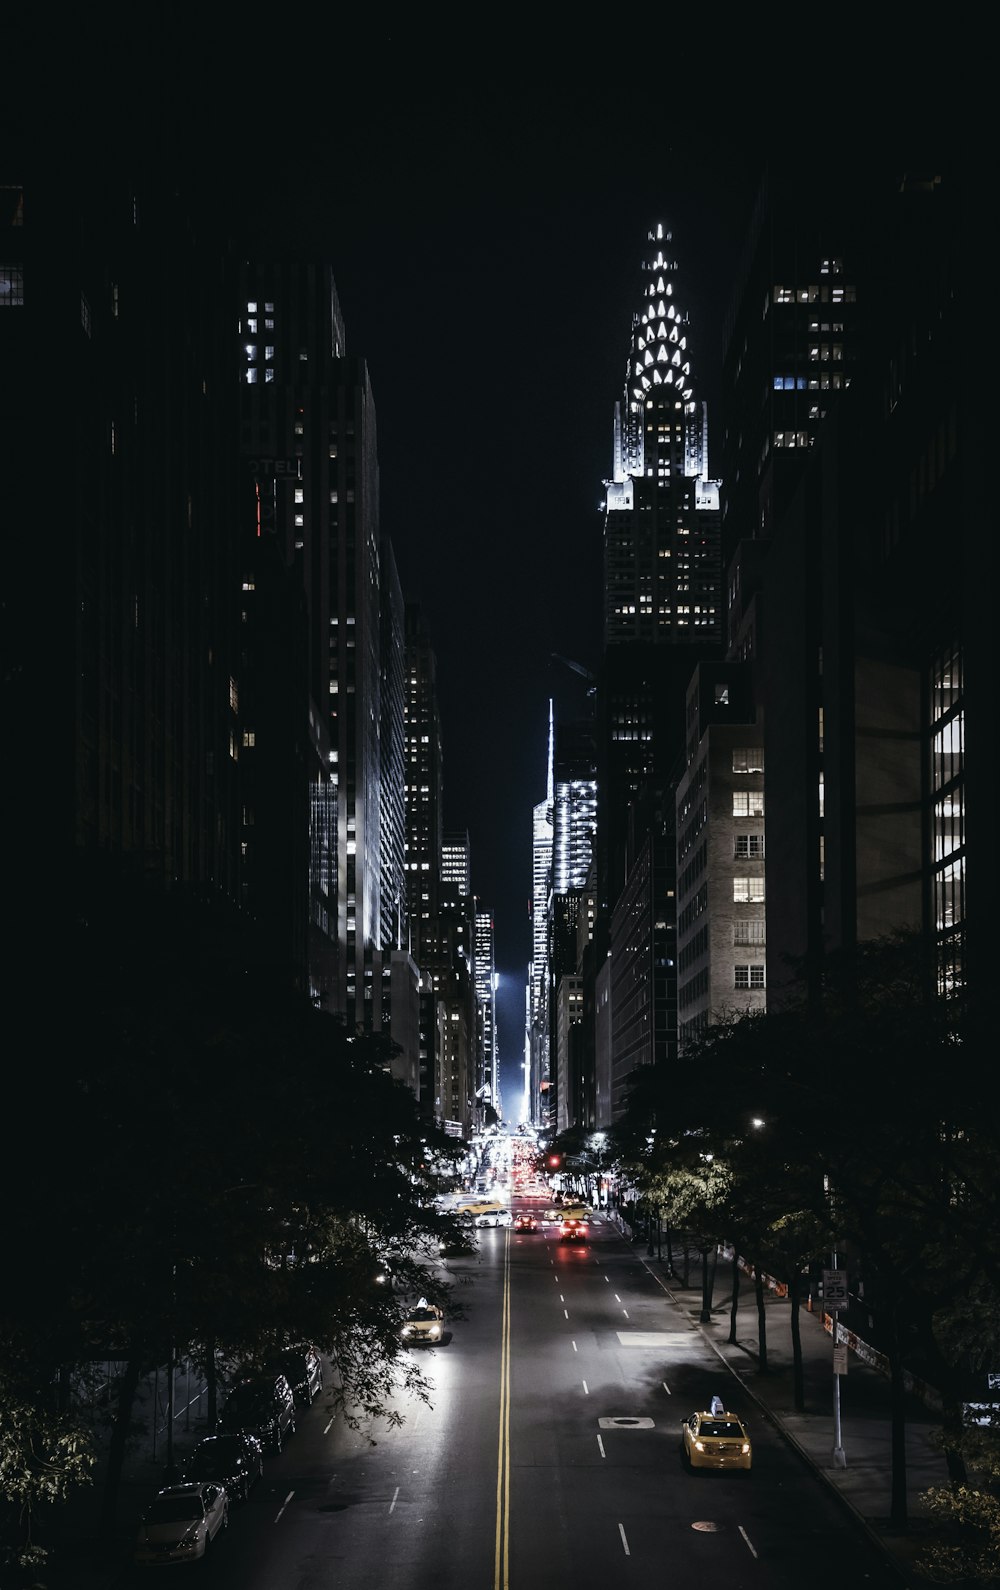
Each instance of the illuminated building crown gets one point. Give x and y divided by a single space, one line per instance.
659 340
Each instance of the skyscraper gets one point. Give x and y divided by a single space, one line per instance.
662 616
486 983
424 823
662 574
310 408
539 1075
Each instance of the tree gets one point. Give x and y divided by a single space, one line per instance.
44 1454
226 1170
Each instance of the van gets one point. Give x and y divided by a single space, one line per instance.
262 1406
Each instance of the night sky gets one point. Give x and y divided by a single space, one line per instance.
484 203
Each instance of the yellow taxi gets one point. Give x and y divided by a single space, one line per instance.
423 1324
715 1441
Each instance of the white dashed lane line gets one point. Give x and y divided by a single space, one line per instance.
746 1537
621 1531
284 1504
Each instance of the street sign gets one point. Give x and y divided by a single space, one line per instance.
840 1359
835 1289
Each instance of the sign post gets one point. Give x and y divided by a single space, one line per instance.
834 1299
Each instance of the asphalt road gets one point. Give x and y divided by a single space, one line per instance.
549 1457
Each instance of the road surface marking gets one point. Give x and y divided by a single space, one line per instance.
667 1388
501 1561
326 1428
575 1348
746 1537
586 1390
284 1504
600 1446
625 1312
617 1298
394 1495
566 1312
621 1531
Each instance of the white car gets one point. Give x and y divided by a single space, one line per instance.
494 1217
181 1523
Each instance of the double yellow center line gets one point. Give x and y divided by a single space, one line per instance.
501 1567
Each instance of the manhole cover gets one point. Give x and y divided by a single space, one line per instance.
625 1423
706 1526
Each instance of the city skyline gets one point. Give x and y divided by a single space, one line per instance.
485 239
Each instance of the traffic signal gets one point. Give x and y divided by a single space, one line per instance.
554 1161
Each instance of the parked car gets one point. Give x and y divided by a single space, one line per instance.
715 1441
423 1325
180 1524
262 1406
302 1367
235 1461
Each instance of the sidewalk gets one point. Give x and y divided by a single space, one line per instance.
864 1483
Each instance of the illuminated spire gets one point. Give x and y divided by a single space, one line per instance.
658 322
550 788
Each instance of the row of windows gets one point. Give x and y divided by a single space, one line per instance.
748 977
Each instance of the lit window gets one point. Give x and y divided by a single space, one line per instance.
748 803
249 737
748 889
748 759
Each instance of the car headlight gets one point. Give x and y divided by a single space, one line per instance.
435 1331
699 1446
745 1448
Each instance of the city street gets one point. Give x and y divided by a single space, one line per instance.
550 1455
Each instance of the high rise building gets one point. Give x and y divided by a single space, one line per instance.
539 1005
662 616
424 823
872 631
662 572
486 986
574 807
394 902
309 434
721 936
122 631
